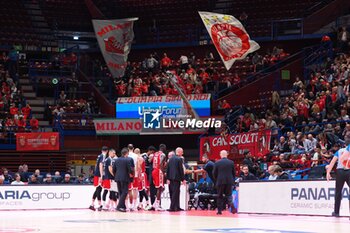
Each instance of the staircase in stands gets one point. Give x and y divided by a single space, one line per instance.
41 26
37 103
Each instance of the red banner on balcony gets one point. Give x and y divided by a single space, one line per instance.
257 143
38 141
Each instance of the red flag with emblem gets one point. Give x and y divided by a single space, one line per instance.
229 37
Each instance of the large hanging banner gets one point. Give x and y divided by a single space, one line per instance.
230 38
115 38
42 141
257 143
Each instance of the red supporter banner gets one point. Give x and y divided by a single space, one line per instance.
161 99
117 127
257 143
38 141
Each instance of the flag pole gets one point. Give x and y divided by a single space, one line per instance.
189 108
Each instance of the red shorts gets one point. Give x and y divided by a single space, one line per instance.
131 186
106 184
96 181
143 182
158 178
135 183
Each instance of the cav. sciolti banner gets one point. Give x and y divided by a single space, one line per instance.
43 141
257 143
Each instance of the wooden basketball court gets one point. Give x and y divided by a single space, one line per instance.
69 221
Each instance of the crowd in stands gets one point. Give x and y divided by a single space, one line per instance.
15 112
23 177
83 106
73 113
69 100
193 75
311 122
58 62
58 72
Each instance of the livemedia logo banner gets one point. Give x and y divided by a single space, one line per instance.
157 122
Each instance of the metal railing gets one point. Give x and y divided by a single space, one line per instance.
315 56
259 75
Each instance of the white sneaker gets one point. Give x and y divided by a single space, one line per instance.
106 207
159 208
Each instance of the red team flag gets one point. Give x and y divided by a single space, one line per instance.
115 38
229 37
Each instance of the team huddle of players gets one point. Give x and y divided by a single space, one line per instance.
146 181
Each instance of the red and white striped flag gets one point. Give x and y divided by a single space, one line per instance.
229 37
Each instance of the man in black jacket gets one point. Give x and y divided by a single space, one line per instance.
246 174
248 160
283 146
175 174
281 175
224 174
123 168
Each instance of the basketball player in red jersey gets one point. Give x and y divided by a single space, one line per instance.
133 189
158 161
142 181
98 179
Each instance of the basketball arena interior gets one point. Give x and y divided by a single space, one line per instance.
175 116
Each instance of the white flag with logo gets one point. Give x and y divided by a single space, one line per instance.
229 37
115 38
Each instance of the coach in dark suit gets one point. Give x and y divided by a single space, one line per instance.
224 174
175 174
123 170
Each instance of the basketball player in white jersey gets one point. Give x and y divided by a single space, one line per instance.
133 187
113 192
